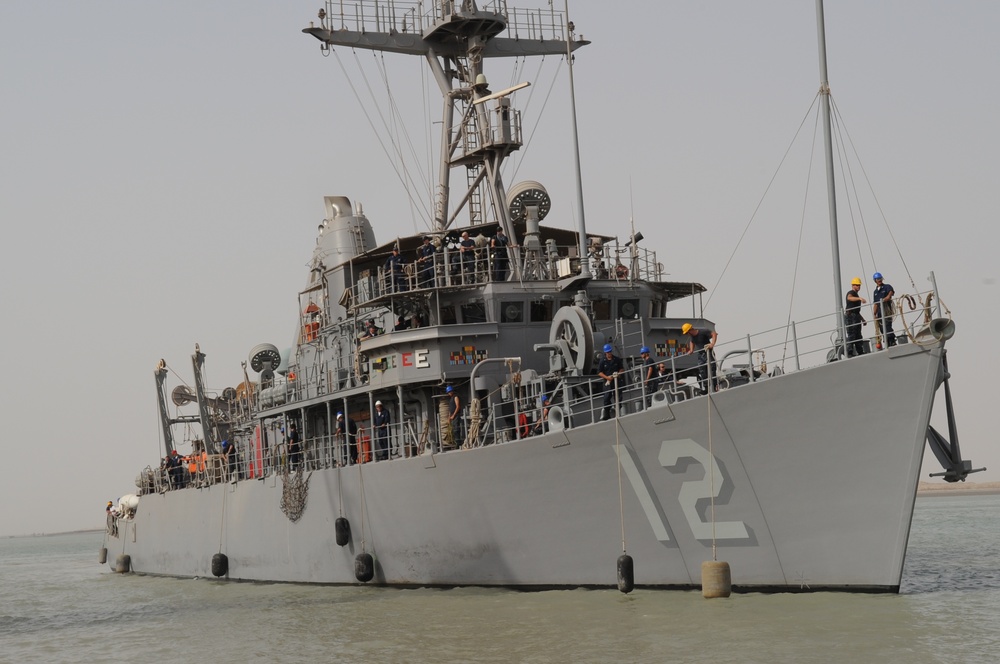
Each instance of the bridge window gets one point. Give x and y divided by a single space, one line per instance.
602 309
511 312
541 311
628 309
474 313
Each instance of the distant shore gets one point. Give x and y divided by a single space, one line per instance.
936 489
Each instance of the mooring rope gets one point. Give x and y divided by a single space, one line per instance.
222 521
711 458
618 455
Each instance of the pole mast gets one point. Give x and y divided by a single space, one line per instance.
581 220
824 90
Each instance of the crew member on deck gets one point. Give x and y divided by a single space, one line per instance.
467 247
648 370
394 268
425 261
347 431
371 330
853 319
703 342
501 261
543 419
609 369
882 308
454 410
294 447
381 422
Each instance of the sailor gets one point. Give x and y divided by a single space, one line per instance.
294 447
882 308
467 247
425 260
348 432
175 470
648 370
544 418
110 505
381 422
394 268
371 330
454 410
596 254
501 261
609 369
229 452
853 319
702 342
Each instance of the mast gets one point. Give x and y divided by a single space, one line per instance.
480 128
581 220
824 90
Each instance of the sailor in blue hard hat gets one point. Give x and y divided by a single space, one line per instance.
543 417
450 437
882 311
608 369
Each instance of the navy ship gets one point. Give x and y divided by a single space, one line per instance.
500 401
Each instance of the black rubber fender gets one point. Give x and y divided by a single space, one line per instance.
364 567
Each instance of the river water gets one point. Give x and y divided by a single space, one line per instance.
58 605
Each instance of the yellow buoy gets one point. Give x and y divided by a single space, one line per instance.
716 579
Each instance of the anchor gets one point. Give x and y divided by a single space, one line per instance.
948 454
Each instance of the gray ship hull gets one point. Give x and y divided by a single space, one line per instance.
814 475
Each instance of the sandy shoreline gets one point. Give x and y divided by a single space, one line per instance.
935 489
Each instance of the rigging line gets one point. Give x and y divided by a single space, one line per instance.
798 246
878 204
390 127
428 134
524 152
759 203
398 121
853 202
371 124
531 92
841 129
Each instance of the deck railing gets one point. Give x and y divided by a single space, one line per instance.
408 17
575 401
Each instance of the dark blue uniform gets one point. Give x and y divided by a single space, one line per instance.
607 368
468 251
883 311
350 434
382 420
394 266
294 448
853 320
425 258
501 261
705 356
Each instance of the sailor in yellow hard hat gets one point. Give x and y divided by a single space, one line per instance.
702 342
853 318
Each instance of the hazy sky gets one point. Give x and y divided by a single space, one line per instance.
163 168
